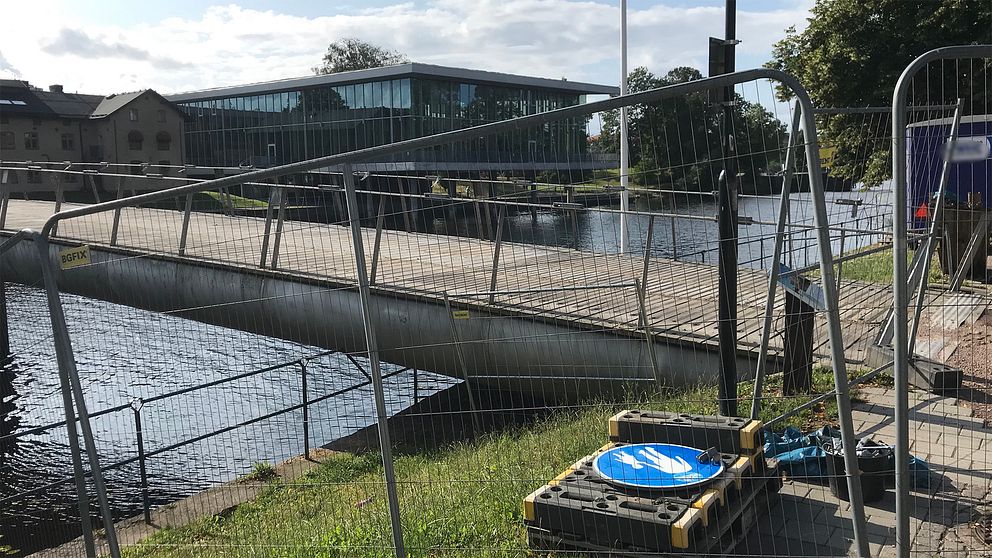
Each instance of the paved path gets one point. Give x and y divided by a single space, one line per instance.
810 521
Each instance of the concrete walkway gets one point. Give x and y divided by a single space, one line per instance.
810 521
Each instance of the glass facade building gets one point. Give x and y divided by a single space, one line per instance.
281 122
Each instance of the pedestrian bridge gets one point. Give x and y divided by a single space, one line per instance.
549 320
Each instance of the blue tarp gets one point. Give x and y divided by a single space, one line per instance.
802 455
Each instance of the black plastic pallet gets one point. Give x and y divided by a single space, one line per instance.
722 541
580 505
591 529
726 434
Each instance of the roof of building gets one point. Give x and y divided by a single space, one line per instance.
392 72
70 105
112 103
18 97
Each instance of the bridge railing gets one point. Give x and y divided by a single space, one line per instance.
550 306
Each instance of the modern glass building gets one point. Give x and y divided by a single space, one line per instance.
267 124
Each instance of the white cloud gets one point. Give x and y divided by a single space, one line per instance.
228 45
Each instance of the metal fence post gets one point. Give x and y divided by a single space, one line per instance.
146 506
649 237
832 311
496 249
379 221
70 379
280 220
900 296
773 273
184 234
306 409
268 227
382 418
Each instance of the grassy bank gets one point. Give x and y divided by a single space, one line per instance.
466 497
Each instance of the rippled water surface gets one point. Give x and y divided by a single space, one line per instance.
123 354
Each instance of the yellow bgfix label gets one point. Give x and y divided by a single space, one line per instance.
460 314
74 257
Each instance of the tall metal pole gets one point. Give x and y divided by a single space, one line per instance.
727 224
373 349
624 148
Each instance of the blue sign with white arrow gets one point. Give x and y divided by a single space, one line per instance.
655 466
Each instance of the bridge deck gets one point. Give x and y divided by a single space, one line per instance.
681 297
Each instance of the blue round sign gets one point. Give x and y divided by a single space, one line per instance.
655 466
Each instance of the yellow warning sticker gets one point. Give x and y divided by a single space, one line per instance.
75 257
460 314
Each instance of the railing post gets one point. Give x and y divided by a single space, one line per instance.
59 198
382 418
115 227
477 428
675 243
648 337
280 220
773 272
306 409
184 234
840 263
4 324
416 386
379 220
268 227
648 239
4 203
70 380
136 406
496 250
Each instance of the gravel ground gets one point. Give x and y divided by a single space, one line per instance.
974 356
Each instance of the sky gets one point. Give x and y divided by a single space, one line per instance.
113 46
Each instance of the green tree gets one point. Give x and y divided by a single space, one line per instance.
345 55
853 51
675 143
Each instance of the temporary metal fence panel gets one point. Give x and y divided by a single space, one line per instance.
225 331
941 168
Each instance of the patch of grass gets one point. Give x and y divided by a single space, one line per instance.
261 471
467 496
238 202
877 267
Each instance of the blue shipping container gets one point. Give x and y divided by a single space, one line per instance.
971 163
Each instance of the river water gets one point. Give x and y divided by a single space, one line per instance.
125 353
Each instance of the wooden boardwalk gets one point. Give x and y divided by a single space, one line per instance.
681 301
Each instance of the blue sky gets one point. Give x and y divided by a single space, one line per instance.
115 45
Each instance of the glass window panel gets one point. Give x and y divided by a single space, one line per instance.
387 94
405 94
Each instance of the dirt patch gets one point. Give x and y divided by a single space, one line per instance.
970 349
